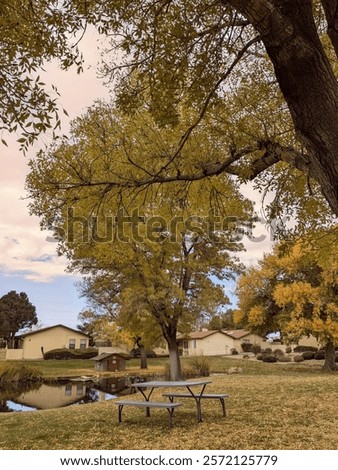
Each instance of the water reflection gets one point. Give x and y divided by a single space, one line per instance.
56 395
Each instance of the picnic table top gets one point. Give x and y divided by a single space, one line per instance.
168 383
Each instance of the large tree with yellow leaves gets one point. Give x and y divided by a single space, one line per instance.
163 251
295 292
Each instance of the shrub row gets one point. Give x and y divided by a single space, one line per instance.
319 355
301 349
273 358
65 353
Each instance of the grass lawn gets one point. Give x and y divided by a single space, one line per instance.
271 406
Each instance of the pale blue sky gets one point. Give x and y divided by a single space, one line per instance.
56 301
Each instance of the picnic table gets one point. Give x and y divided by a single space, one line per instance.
147 388
189 385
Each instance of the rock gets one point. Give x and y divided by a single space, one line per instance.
235 370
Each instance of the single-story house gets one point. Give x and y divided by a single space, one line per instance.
111 362
303 341
216 342
34 344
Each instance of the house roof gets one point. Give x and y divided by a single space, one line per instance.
199 334
236 334
103 356
30 333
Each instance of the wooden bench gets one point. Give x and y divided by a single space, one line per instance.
148 404
198 398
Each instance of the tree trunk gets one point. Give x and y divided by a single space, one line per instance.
168 326
174 361
330 356
144 362
306 80
169 333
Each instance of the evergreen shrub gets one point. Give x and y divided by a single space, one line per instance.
269 358
298 358
64 353
308 355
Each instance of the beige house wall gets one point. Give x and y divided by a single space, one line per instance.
14 354
252 338
304 341
53 338
161 351
213 345
309 341
218 344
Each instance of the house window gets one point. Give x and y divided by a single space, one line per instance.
246 341
194 344
68 390
79 390
72 344
83 343
185 344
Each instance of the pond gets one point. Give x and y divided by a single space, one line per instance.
49 395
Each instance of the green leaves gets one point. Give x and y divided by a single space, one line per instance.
16 313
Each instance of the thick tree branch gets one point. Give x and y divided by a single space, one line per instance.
273 154
266 18
331 13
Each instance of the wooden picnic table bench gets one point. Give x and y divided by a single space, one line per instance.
148 404
219 396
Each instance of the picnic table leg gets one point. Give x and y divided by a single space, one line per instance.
146 399
198 403
223 406
120 413
171 412
199 410
147 411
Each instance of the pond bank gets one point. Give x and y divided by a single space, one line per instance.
19 373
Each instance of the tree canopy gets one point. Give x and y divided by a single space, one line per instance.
294 290
207 54
103 329
16 313
224 321
271 58
161 253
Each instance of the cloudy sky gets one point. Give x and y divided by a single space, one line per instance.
28 261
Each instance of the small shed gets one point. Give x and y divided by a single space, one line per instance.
110 362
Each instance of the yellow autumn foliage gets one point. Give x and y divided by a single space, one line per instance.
294 291
256 315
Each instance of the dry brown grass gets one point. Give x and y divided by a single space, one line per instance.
271 406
